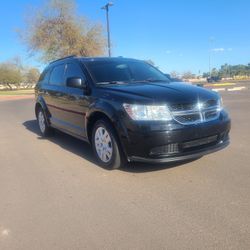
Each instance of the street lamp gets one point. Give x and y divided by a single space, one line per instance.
211 39
106 7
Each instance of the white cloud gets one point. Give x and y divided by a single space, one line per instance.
218 49
168 51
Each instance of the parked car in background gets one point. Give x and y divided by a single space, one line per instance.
213 79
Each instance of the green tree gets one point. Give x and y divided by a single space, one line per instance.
55 30
227 70
206 74
10 74
214 72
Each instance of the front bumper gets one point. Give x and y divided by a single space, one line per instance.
182 157
185 141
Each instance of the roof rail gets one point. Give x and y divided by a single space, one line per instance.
63 58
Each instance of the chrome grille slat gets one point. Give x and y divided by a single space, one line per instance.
194 111
210 110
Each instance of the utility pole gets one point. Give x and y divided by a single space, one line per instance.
106 7
211 39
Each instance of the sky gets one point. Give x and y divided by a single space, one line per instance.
176 35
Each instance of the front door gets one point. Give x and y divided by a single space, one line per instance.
75 102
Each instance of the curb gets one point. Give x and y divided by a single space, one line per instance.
222 87
229 89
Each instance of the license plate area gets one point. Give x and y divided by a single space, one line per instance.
199 142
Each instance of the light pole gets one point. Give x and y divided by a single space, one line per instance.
211 39
106 7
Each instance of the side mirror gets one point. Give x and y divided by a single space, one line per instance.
75 82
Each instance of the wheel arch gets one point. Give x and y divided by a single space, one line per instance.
93 118
109 115
40 103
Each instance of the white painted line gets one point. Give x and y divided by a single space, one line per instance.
4 232
236 88
219 89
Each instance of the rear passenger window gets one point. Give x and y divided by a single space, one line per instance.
57 75
74 70
44 77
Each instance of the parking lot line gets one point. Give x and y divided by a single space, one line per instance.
219 89
236 88
220 84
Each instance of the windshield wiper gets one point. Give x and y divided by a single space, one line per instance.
111 82
151 80
132 81
156 80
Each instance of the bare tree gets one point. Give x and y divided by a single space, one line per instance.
55 30
32 75
188 75
174 74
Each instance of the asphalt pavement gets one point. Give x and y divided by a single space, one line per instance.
54 196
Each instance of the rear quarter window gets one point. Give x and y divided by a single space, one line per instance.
44 77
57 75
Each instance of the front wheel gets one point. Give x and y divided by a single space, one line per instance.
106 145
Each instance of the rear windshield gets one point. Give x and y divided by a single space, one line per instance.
124 71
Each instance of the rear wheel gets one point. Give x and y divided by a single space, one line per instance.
45 129
106 145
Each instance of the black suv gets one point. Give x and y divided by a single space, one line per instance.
129 111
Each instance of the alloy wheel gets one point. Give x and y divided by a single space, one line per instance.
41 121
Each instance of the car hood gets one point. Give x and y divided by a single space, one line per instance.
174 92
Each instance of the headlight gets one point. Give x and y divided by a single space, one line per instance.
220 104
148 112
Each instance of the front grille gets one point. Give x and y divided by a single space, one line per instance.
182 106
188 118
192 113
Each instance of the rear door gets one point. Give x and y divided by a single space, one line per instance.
54 93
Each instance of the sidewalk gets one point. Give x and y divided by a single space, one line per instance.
15 97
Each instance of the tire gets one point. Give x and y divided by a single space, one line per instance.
106 146
44 128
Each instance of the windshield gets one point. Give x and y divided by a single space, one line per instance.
115 72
